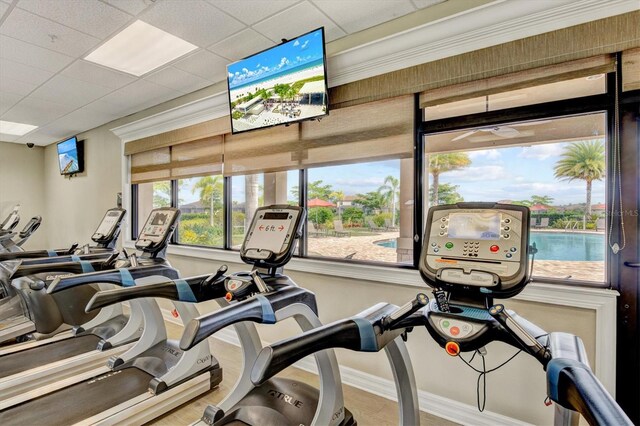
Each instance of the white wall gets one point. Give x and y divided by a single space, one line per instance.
77 205
21 182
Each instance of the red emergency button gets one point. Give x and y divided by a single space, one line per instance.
228 296
452 348
454 331
494 248
175 313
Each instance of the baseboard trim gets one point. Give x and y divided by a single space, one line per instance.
431 403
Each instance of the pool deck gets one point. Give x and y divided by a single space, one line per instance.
364 248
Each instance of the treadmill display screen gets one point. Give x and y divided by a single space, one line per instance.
484 226
108 223
276 216
270 232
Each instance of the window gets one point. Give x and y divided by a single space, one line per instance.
557 167
249 192
152 195
200 200
361 211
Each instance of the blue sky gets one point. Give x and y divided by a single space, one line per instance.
509 173
294 53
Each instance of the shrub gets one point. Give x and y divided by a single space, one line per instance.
236 115
379 219
320 215
352 215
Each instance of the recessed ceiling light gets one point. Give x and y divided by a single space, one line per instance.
18 129
140 48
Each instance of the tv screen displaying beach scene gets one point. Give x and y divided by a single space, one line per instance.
280 85
68 156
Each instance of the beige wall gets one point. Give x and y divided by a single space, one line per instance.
516 390
21 182
77 205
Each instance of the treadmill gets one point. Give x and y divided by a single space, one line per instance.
472 253
7 242
97 335
105 237
151 378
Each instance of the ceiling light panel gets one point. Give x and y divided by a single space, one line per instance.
140 48
18 129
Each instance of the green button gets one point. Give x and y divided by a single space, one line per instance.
445 324
449 245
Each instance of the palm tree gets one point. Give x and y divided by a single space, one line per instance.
389 189
545 200
282 90
584 161
442 163
337 197
210 188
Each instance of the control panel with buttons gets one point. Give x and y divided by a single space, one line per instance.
472 237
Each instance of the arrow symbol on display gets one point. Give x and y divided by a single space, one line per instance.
261 227
281 227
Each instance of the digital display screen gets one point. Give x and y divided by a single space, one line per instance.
483 226
157 225
276 216
68 156
280 85
108 223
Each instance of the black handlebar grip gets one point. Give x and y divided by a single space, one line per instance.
112 277
275 358
577 388
165 290
201 328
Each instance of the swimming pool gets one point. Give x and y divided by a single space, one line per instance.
557 246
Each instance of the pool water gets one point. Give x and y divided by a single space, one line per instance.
557 246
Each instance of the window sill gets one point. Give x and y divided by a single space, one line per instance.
559 294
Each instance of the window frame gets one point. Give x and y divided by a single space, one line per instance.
601 103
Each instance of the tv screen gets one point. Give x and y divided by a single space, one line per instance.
70 156
280 85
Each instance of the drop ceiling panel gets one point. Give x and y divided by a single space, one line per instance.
25 73
7 100
288 24
28 27
204 64
89 16
421 4
69 91
252 11
35 137
9 85
193 20
36 112
242 44
132 7
78 121
137 96
96 74
357 15
178 79
35 56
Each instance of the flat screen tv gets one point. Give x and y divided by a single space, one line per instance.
70 156
281 85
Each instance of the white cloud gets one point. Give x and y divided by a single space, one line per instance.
296 43
230 75
478 173
362 182
542 152
490 154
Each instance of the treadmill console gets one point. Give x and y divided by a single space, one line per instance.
477 248
158 229
271 238
109 225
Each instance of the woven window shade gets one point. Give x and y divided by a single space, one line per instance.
198 158
368 132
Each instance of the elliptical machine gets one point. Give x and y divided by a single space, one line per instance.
472 253
8 243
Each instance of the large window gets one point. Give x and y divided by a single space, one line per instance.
200 200
361 211
557 167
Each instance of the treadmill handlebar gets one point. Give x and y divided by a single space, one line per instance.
260 308
573 385
273 359
70 267
124 277
66 258
193 290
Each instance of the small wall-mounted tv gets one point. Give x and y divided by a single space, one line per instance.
71 156
281 85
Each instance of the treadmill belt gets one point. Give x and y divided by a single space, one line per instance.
81 401
20 361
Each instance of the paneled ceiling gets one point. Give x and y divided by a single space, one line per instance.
45 82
